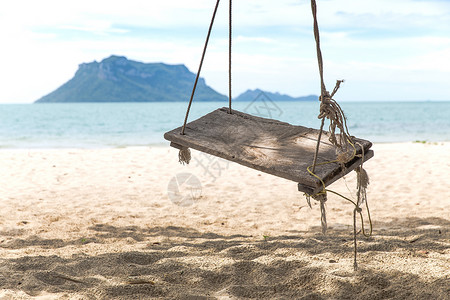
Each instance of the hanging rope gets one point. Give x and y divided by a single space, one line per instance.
329 108
346 150
362 183
184 156
230 40
200 66
319 52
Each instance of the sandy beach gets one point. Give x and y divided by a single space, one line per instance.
109 224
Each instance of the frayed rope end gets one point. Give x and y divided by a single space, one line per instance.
184 156
322 198
362 178
323 214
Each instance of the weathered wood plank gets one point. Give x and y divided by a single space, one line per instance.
267 145
350 166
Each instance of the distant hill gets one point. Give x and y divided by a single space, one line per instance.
251 95
117 79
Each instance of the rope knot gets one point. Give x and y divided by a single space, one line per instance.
325 102
321 196
332 111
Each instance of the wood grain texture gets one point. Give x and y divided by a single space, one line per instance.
267 145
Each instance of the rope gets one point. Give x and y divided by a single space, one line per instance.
322 84
362 182
329 108
355 244
319 52
200 67
316 154
346 150
363 230
184 155
230 39
323 215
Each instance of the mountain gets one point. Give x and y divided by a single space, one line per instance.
251 95
117 79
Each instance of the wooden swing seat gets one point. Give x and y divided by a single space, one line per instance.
267 145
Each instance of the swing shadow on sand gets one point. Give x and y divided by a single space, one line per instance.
189 264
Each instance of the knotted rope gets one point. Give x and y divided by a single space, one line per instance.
329 108
345 146
332 111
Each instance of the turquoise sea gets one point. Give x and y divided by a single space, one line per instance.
99 125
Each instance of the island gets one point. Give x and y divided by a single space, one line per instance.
118 79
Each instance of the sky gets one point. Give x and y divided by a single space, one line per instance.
385 50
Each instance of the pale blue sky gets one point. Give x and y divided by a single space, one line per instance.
384 49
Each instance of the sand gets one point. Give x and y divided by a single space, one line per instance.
108 224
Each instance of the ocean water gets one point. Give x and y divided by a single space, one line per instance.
100 125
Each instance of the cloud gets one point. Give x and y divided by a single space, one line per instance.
253 39
95 27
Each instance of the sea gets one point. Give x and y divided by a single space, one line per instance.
116 125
